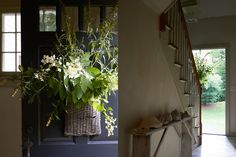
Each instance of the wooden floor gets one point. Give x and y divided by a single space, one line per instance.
216 146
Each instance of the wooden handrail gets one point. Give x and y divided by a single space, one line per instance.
183 52
189 44
164 24
170 6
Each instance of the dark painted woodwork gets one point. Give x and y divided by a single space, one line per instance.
81 17
50 141
102 13
163 22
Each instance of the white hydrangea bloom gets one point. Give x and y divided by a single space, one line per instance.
73 69
52 61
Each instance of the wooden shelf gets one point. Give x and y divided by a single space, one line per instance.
151 131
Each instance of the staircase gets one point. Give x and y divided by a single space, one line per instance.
178 53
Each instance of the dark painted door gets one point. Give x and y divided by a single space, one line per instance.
39 140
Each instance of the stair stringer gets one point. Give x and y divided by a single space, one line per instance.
169 54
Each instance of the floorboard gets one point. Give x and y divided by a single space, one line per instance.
216 146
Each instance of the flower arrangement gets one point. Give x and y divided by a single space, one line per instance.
78 73
203 68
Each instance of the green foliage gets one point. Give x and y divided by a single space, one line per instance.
210 95
220 70
213 116
77 74
213 79
203 69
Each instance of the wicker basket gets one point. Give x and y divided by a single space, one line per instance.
82 121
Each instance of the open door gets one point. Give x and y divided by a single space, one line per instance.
37 39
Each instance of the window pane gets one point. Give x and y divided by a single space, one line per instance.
8 22
47 19
18 44
18 62
8 62
8 42
18 22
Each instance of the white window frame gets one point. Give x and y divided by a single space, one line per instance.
225 46
6 11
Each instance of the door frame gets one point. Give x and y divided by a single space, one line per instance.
31 128
226 46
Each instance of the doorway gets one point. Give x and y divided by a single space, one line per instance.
40 25
211 66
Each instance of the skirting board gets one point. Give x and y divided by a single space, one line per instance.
233 134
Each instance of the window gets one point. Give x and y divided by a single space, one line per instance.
11 42
47 19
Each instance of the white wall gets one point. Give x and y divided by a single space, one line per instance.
145 83
10 108
10 120
220 31
216 8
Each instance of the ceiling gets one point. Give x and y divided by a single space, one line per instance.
200 9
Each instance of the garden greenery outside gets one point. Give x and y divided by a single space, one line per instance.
211 69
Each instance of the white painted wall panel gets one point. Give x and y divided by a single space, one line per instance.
145 82
10 120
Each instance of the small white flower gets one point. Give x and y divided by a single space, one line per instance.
53 64
48 69
110 124
48 59
38 76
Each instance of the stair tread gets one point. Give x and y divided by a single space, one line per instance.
182 80
178 65
171 45
168 27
